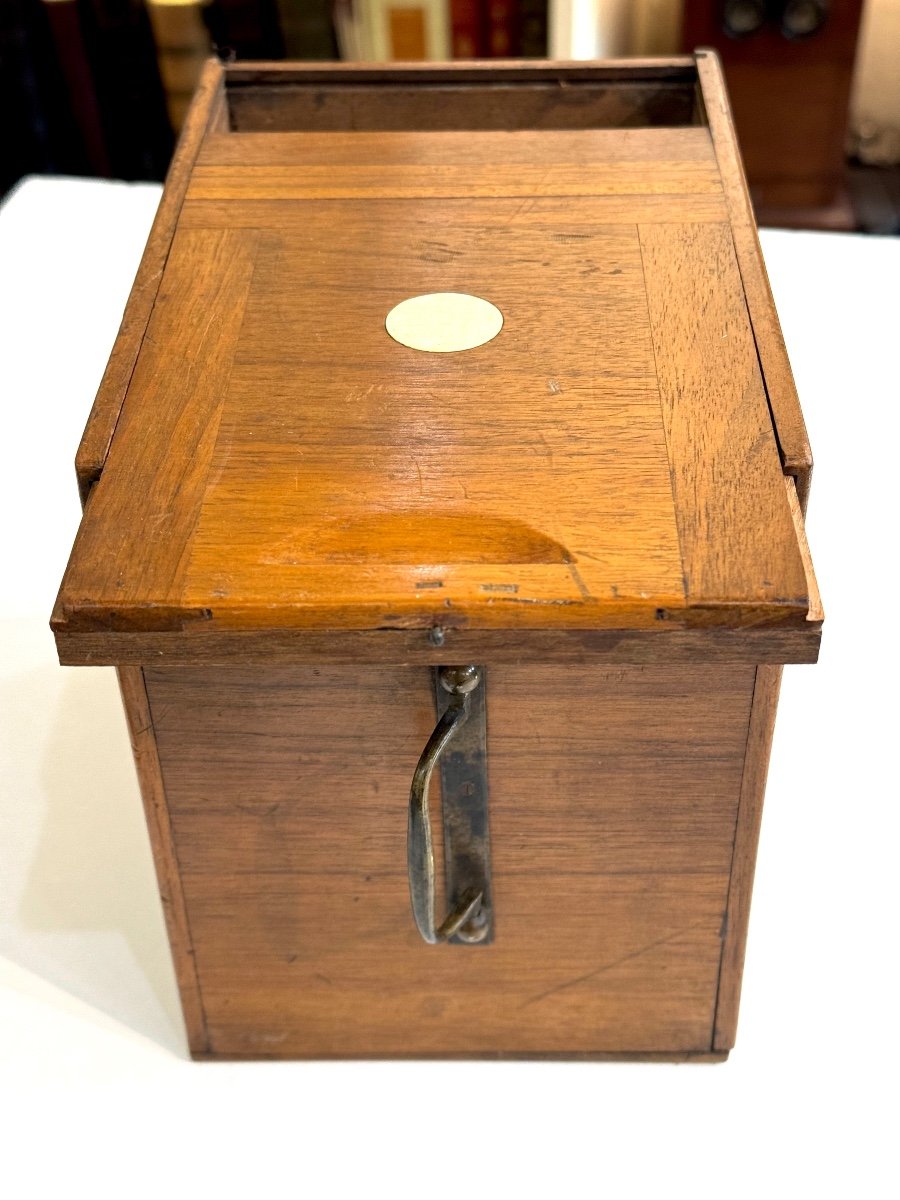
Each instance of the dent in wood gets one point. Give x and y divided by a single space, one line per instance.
421 537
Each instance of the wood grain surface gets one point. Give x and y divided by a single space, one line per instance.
453 180
607 462
613 802
590 212
722 450
790 428
404 647
157 472
759 743
414 148
165 858
205 114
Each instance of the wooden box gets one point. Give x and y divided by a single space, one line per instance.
299 533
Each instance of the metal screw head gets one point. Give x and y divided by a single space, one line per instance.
459 680
475 929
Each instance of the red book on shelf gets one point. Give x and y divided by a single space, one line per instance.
502 29
467 29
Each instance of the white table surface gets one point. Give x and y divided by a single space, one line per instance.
97 1095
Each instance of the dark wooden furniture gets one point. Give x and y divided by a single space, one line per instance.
290 519
790 98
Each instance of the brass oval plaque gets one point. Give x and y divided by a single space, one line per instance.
444 322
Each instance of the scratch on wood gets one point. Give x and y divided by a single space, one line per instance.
617 962
533 600
257 810
526 205
579 582
438 252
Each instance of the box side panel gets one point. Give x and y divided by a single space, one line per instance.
146 758
613 802
753 786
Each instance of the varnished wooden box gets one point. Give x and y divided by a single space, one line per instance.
291 519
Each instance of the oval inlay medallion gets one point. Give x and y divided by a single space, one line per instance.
444 322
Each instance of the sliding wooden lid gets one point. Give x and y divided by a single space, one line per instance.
607 461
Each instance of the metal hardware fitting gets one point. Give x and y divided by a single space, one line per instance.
460 698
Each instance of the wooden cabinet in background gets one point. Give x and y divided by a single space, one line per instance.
789 96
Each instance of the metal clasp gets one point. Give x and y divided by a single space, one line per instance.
460 699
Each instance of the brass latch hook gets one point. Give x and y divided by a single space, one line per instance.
465 819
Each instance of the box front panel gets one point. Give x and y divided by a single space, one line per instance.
613 800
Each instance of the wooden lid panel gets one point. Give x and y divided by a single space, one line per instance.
606 461
519 472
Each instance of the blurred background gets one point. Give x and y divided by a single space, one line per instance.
100 87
